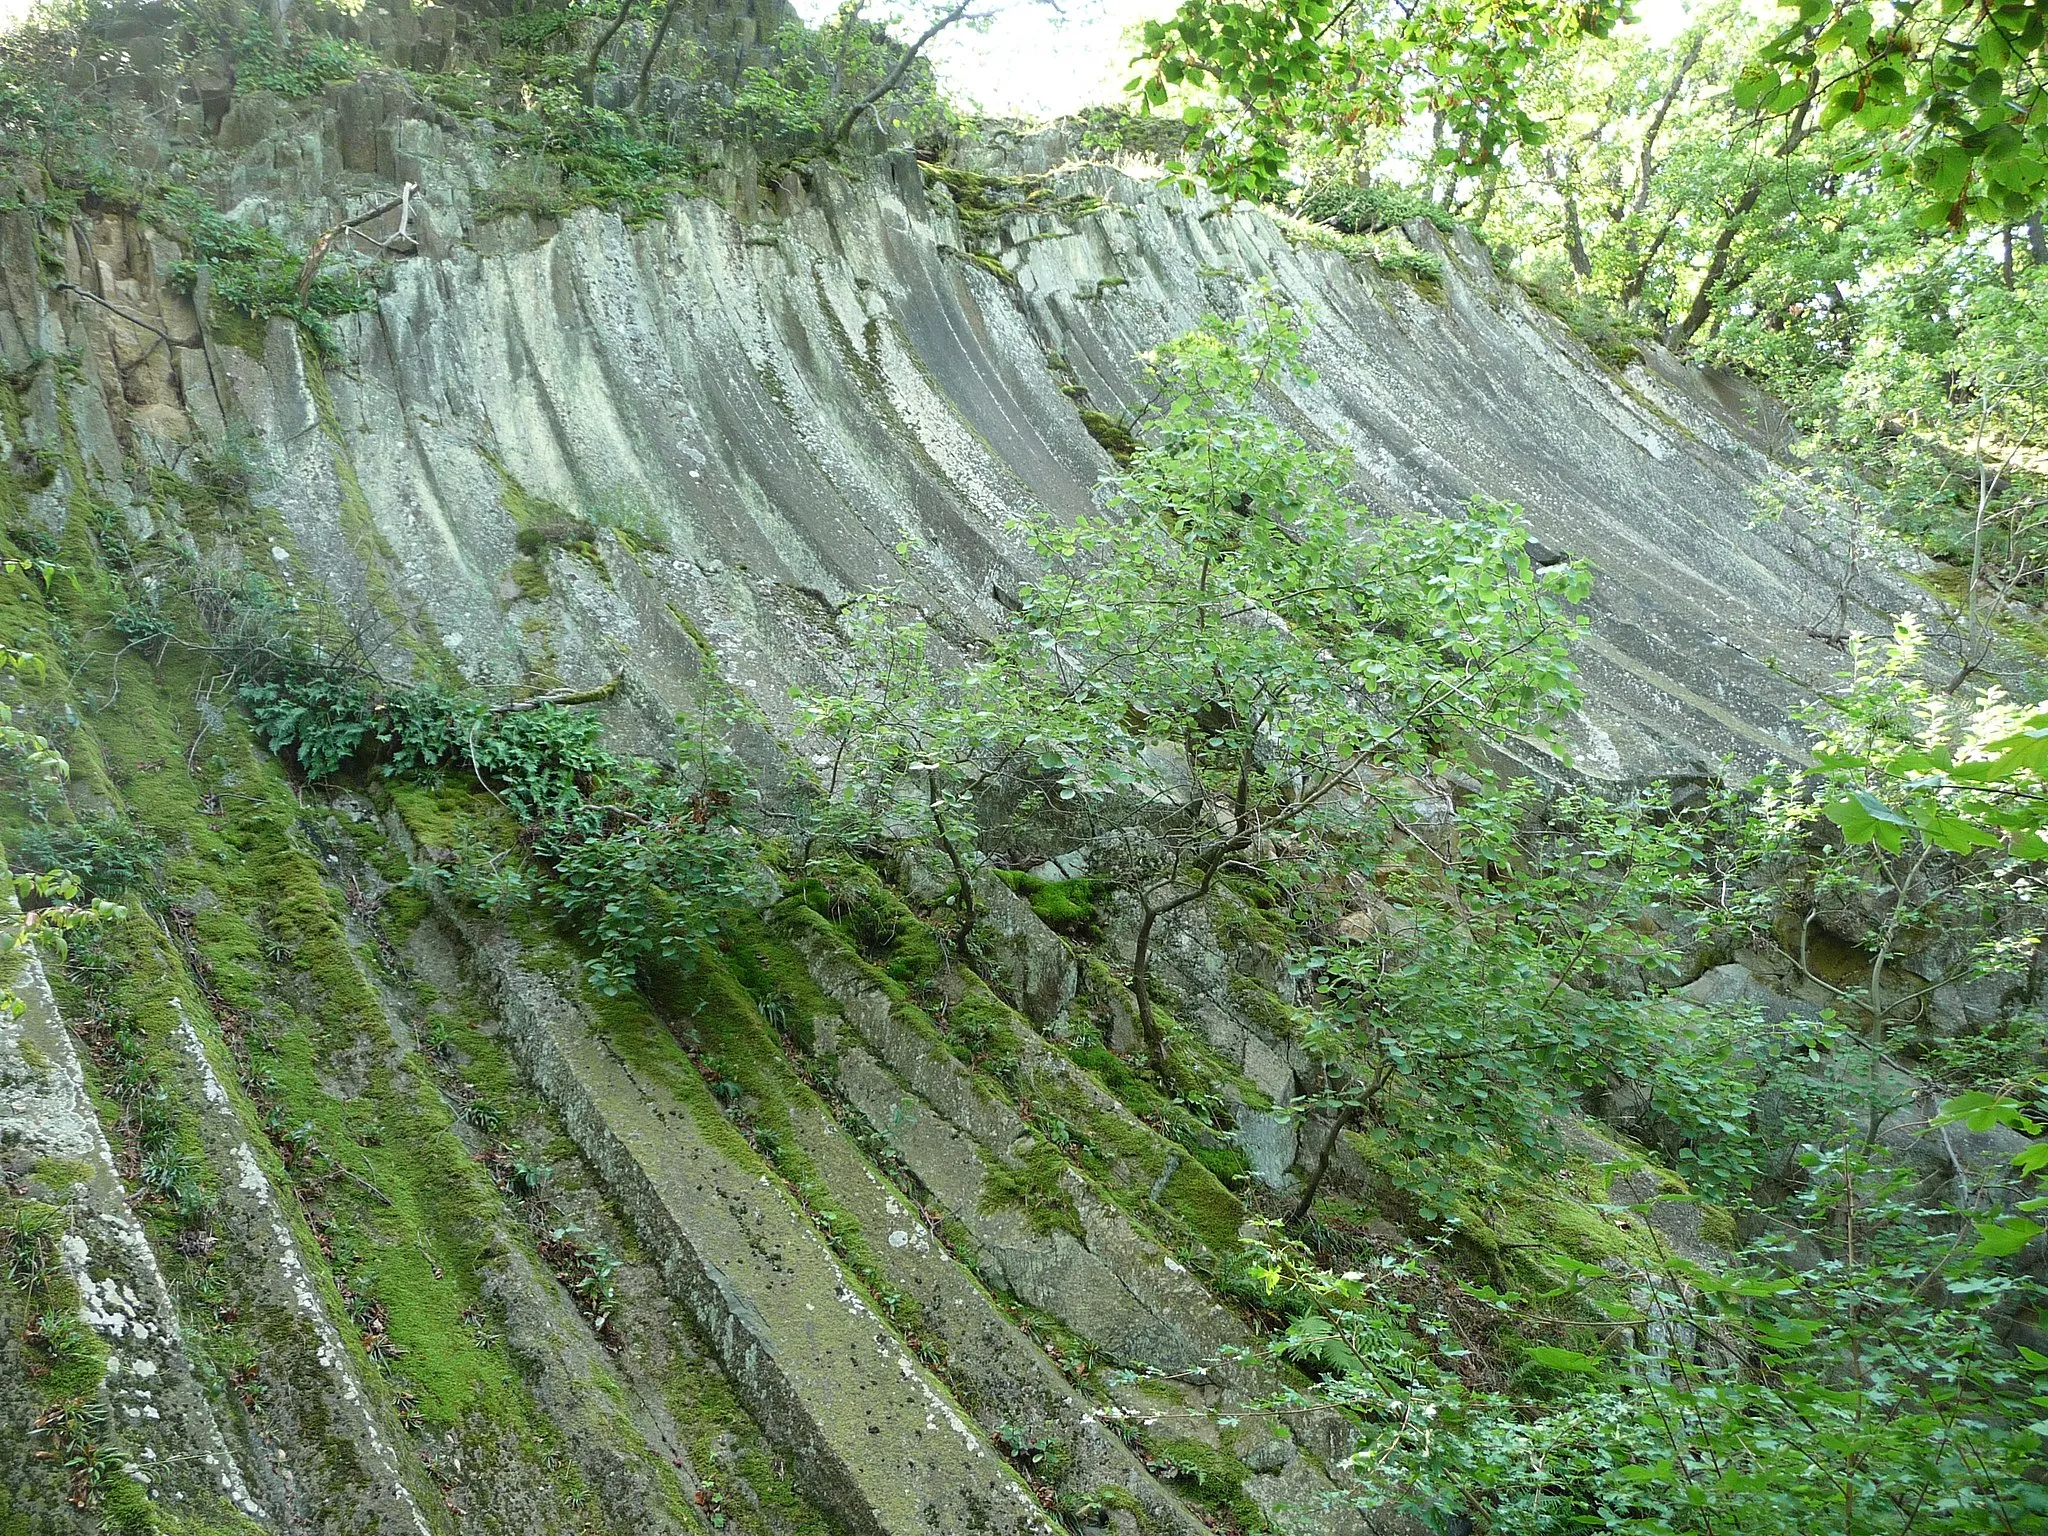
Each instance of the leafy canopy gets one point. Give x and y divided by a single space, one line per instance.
1948 95
1260 74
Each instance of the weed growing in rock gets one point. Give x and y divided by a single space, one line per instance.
639 859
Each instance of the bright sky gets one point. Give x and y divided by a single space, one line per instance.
1033 61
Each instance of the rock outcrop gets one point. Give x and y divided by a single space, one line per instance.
375 1217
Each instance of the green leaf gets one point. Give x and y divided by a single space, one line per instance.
2004 1237
1551 1358
1864 818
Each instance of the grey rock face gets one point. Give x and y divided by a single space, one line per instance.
762 417
824 402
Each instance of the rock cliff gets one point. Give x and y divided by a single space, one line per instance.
352 1210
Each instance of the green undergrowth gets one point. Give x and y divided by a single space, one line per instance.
1167 1179
1391 252
1368 208
1067 907
1210 1478
247 921
510 1120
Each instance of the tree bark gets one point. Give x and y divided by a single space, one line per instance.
668 15
895 76
1307 1201
1141 991
952 852
1646 163
1704 297
1574 234
586 77
2037 240
1633 288
1141 959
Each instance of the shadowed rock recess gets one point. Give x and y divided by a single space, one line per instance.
363 1212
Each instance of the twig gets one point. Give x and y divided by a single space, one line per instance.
602 691
156 330
309 269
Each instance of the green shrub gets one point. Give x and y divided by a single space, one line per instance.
1367 209
639 859
1423 268
300 65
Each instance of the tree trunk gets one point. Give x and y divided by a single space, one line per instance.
1307 1201
586 77
1704 296
1575 239
1633 288
1141 990
895 76
2037 240
952 852
1646 162
668 15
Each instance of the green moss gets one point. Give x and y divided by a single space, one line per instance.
1067 907
715 1017
776 978
1112 432
1209 1476
1717 1226
225 323
986 202
882 930
1262 1006
1240 918
1211 1212
62 1173
979 1032
1035 1184
530 576
644 1041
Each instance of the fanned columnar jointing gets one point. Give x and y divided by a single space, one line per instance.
337 1206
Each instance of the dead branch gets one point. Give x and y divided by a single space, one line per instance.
310 268
136 320
595 695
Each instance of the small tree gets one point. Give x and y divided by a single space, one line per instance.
1241 650
898 725
1916 832
1489 991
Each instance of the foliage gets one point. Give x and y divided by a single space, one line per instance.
40 907
299 63
1933 797
1232 653
1469 1013
1370 207
1866 1390
1238 648
638 858
104 853
902 721
1952 97
1258 75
